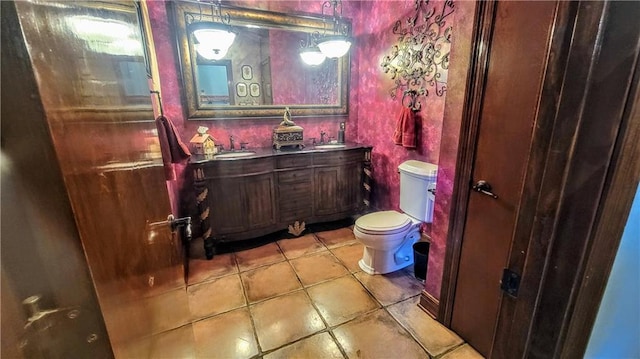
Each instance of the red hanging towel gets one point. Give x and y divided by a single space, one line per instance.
405 133
172 148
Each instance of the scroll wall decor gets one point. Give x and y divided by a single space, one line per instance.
420 59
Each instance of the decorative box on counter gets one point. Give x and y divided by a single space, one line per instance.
287 133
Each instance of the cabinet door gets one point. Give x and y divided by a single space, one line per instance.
350 189
226 205
260 198
327 185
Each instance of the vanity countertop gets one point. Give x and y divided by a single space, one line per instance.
270 152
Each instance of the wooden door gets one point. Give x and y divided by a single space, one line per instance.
42 257
91 73
516 64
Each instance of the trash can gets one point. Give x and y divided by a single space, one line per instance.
420 254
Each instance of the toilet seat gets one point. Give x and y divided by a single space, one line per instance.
384 223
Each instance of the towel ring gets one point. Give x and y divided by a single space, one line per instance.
413 104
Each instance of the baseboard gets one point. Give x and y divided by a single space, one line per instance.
429 304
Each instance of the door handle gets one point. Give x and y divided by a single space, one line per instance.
484 187
176 223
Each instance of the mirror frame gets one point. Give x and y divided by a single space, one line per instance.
241 16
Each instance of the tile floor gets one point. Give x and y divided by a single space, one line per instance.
304 297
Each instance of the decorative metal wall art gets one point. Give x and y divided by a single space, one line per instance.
420 59
324 80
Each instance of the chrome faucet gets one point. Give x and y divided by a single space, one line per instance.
322 134
231 143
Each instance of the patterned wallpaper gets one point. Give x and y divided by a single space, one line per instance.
372 116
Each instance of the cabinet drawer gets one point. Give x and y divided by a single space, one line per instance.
288 161
300 175
233 168
294 190
337 158
296 203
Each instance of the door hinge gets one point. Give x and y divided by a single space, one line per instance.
510 282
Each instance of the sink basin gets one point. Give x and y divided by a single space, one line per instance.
331 145
234 154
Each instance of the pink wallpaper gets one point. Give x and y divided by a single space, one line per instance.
458 70
286 82
372 116
377 119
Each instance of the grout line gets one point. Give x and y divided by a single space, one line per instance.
415 339
315 307
385 308
253 323
450 350
335 340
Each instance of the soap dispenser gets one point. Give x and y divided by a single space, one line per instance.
341 133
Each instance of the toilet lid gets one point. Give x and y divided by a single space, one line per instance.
387 222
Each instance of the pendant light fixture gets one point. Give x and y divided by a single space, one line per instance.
213 38
337 44
309 51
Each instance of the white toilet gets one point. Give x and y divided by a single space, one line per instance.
388 236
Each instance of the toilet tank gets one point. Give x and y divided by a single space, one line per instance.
416 179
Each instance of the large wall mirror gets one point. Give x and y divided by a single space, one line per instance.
262 72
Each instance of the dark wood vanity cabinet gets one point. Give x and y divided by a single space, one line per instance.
244 198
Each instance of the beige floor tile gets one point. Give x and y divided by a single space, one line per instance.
202 269
317 268
432 335
217 296
269 281
377 335
260 256
228 335
336 238
341 299
298 247
147 316
391 287
349 255
284 319
176 343
463 352
321 346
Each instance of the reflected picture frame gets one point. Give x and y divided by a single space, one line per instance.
241 89
247 72
254 89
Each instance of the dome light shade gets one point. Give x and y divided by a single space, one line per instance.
312 56
212 39
210 53
334 46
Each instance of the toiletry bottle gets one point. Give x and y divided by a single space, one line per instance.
341 133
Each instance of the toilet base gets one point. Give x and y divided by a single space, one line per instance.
382 262
369 270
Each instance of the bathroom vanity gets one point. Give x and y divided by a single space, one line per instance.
246 195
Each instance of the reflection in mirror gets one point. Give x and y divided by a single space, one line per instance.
262 72
214 82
